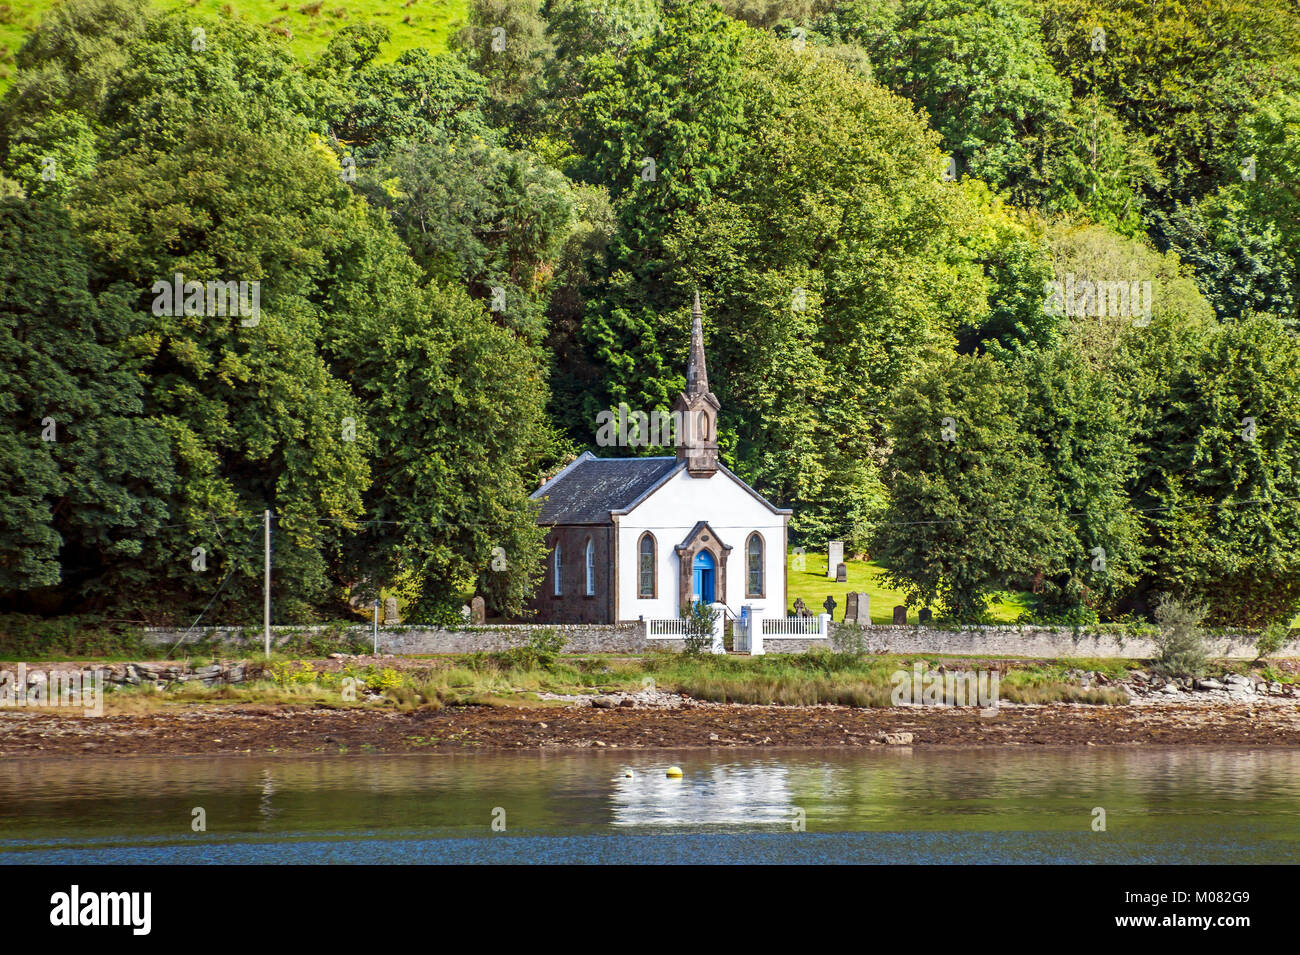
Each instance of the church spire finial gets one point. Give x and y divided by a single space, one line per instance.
697 372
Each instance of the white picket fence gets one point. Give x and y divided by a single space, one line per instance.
750 631
795 626
671 629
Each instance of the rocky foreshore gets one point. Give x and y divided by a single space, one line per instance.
317 730
1142 688
1228 709
1145 689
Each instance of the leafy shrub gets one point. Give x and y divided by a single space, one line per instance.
381 680
538 652
289 674
336 638
700 620
1180 638
1271 640
849 640
445 613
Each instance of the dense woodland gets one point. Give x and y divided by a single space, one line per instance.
465 255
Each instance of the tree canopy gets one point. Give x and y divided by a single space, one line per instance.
1002 292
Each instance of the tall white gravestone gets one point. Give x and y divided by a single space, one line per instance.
834 557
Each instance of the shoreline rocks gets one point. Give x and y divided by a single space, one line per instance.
649 698
1226 688
894 739
161 675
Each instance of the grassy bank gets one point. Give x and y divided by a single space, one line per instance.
306 28
506 679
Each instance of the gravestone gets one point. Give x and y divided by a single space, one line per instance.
478 610
841 574
801 608
857 608
900 616
830 605
923 615
834 557
390 611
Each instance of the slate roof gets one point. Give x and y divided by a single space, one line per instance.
589 488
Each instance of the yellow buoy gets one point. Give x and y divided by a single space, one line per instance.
675 772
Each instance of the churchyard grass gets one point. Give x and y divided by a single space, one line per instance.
811 584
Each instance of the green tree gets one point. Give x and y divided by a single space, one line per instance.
375 108
660 137
579 30
1180 638
1219 465
489 217
1084 438
255 414
206 170
1015 254
455 406
207 166
978 68
85 474
70 59
982 73
505 41
1085 255
1182 72
972 508
1244 239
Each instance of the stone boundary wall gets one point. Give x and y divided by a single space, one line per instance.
579 638
629 637
1048 642
794 644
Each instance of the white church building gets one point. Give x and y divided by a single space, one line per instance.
637 538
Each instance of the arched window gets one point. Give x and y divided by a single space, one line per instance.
591 568
646 566
704 425
557 577
754 566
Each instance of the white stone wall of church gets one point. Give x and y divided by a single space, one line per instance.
670 514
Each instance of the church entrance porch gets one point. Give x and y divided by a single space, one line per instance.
702 559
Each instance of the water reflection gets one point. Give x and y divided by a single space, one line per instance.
740 794
1006 802
264 807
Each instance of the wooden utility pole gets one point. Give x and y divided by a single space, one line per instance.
266 566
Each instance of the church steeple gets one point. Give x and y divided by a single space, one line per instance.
698 437
697 372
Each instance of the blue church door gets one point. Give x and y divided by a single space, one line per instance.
704 571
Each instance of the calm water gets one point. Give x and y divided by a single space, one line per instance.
996 805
